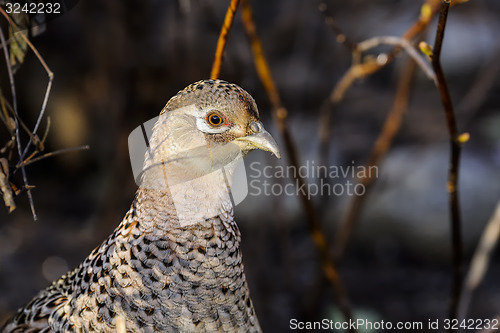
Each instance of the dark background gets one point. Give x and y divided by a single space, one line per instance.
116 63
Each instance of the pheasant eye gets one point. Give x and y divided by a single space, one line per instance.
215 119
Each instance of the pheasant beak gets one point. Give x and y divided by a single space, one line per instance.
260 139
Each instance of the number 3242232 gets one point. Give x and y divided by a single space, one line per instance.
471 324
33 8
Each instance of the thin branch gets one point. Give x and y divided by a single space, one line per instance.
403 43
32 47
20 122
46 134
480 261
53 153
455 143
221 43
42 112
330 21
280 117
390 128
428 10
32 135
359 70
14 105
50 74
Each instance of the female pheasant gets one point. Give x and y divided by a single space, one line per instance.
174 263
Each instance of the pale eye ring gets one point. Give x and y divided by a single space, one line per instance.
214 119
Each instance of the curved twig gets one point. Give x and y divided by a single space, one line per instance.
50 154
360 70
404 44
221 43
14 106
50 74
455 143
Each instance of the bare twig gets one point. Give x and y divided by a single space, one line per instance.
404 44
50 74
20 122
42 111
427 12
39 144
389 130
280 117
480 261
14 105
33 138
46 134
221 43
359 70
32 47
52 153
455 143
330 21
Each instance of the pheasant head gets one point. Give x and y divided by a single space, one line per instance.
197 142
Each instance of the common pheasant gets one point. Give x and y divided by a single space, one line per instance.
174 263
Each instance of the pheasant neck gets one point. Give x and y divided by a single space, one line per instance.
159 211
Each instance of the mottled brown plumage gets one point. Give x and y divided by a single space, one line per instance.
174 263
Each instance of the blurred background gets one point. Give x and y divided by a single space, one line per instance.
116 64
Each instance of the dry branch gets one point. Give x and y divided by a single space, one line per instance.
330 21
14 124
50 154
221 43
362 69
14 105
32 135
455 143
50 74
405 45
